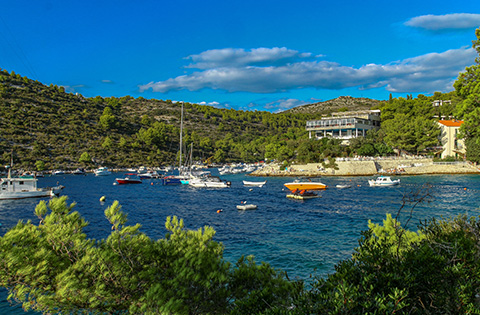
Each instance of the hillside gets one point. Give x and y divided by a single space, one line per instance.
44 123
342 103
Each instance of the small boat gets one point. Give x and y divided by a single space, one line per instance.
209 182
305 185
20 188
383 181
254 184
102 171
59 172
302 194
128 179
79 171
171 180
247 207
343 186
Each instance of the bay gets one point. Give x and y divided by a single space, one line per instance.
304 238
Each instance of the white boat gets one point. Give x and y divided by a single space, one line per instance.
208 182
247 207
383 181
254 184
102 171
20 188
343 186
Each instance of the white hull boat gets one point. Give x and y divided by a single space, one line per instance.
20 188
208 182
254 184
102 171
247 207
383 181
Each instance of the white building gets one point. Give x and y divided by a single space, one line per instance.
451 145
344 125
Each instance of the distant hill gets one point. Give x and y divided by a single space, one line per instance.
44 123
342 103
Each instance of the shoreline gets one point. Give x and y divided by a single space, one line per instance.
371 167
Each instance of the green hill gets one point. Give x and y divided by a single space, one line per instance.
44 123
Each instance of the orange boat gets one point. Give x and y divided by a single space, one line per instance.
305 186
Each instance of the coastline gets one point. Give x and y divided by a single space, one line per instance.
370 167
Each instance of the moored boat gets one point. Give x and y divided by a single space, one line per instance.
102 171
130 178
254 184
383 181
305 185
247 207
20 188
208 182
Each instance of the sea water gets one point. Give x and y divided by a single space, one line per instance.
304 238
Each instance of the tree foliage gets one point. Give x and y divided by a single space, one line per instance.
54 268
467 87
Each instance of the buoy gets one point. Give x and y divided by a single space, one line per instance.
102 199
219 210
151 184
250 189
465 188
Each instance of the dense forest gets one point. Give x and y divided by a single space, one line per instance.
44 123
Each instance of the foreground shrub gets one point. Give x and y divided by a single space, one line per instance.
52 267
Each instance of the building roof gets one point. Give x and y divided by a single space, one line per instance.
451 123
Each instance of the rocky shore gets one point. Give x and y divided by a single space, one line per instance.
369 167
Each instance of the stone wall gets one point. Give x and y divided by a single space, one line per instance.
368 168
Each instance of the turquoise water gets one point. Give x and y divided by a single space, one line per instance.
300 237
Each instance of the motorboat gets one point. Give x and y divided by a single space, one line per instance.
209 182
254 184
246 207
79 171
383 181
305 185
343 186
20 188
102 171
171 180
130 178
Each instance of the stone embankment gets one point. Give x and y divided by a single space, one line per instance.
368 167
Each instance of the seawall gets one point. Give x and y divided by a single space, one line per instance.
369 167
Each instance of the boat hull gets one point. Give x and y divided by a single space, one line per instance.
302 197
306 186
247 207
207 184
127 181
41 192
254 184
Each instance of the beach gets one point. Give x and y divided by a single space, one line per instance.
370 166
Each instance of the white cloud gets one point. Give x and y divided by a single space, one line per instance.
444 22
231 57
426 73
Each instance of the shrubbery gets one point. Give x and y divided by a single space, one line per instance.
53 267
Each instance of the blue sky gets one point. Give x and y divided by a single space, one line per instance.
248 55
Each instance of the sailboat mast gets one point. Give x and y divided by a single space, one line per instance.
181 140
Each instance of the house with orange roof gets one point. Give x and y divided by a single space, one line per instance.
452 146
